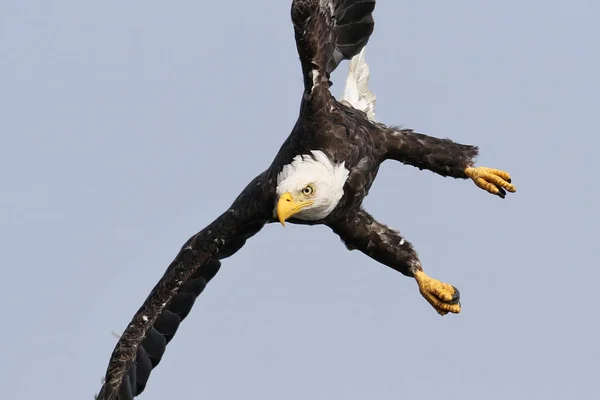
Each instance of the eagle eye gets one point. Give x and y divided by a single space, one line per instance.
308 190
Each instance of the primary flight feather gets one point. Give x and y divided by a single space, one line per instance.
321 175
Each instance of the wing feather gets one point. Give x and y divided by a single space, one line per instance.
328 32
143 343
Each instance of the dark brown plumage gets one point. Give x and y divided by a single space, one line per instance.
326 33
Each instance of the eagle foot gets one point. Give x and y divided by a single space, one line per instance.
442 296
492 180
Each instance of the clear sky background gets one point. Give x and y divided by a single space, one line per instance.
126 127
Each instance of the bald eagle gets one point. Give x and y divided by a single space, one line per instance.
321 175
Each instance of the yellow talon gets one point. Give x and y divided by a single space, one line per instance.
442 296
492 180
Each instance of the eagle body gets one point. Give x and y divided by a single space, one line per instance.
320 175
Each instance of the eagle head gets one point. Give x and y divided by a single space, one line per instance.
310 187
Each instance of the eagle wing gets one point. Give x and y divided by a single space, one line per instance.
328 32
142 344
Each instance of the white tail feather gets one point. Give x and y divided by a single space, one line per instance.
357 93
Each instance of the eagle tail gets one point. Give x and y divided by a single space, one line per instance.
357 92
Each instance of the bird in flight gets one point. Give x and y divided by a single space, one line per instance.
321 175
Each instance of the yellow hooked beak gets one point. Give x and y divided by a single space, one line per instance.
287 207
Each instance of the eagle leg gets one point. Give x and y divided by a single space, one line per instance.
359 230
492 180
442 296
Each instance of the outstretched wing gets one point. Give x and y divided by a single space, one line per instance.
142 344
327 32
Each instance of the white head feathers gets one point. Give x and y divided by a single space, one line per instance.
325 178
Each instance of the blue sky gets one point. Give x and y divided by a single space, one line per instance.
128 126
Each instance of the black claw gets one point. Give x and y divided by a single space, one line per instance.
501 192
455 296
509 180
